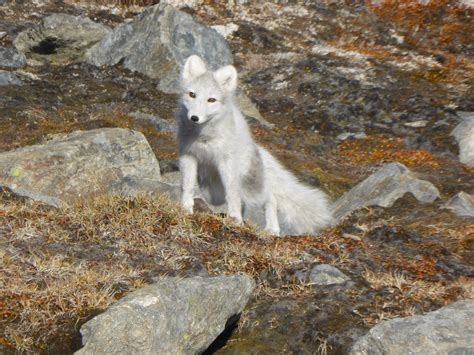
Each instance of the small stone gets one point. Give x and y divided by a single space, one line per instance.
2 34
352 236
464 134
351 135
416 124
226 30
325 275
462 204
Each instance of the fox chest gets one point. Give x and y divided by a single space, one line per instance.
207 149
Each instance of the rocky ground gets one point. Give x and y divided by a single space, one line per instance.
348 87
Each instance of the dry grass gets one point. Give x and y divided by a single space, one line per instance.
60 267
395 281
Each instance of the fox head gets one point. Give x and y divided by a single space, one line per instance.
205 92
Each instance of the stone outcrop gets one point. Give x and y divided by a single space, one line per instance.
81 164
174 316
383 188
448 330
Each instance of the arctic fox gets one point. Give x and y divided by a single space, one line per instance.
216 149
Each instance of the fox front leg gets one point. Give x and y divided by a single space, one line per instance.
271 216
188 168
231 185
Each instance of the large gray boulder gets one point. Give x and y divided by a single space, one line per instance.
464 134
174 316
383 188
59 39
158 41
157 44
10 58
462 204
82 164
448 330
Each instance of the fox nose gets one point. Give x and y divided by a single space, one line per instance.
194 118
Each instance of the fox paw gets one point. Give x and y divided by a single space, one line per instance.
237 219
188 206
273 231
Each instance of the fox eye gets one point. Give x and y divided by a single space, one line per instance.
192 94
211 99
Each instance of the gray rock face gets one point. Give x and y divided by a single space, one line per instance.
160 124
60 38
158 42
12 59
448 330
383 188
462 204
464 134
174 316
80 164
327 275
9 78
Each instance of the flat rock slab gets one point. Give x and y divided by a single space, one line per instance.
325 275
448 330
81 164
60 39
464 134
10 58
462 204
174 316
383 188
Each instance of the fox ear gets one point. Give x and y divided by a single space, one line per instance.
226 77
193 67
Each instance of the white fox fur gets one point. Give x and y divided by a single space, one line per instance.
218 152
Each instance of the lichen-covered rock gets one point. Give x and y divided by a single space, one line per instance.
464 134
448 330
12 59
81 164
383 188
174 316
60 38
462 204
